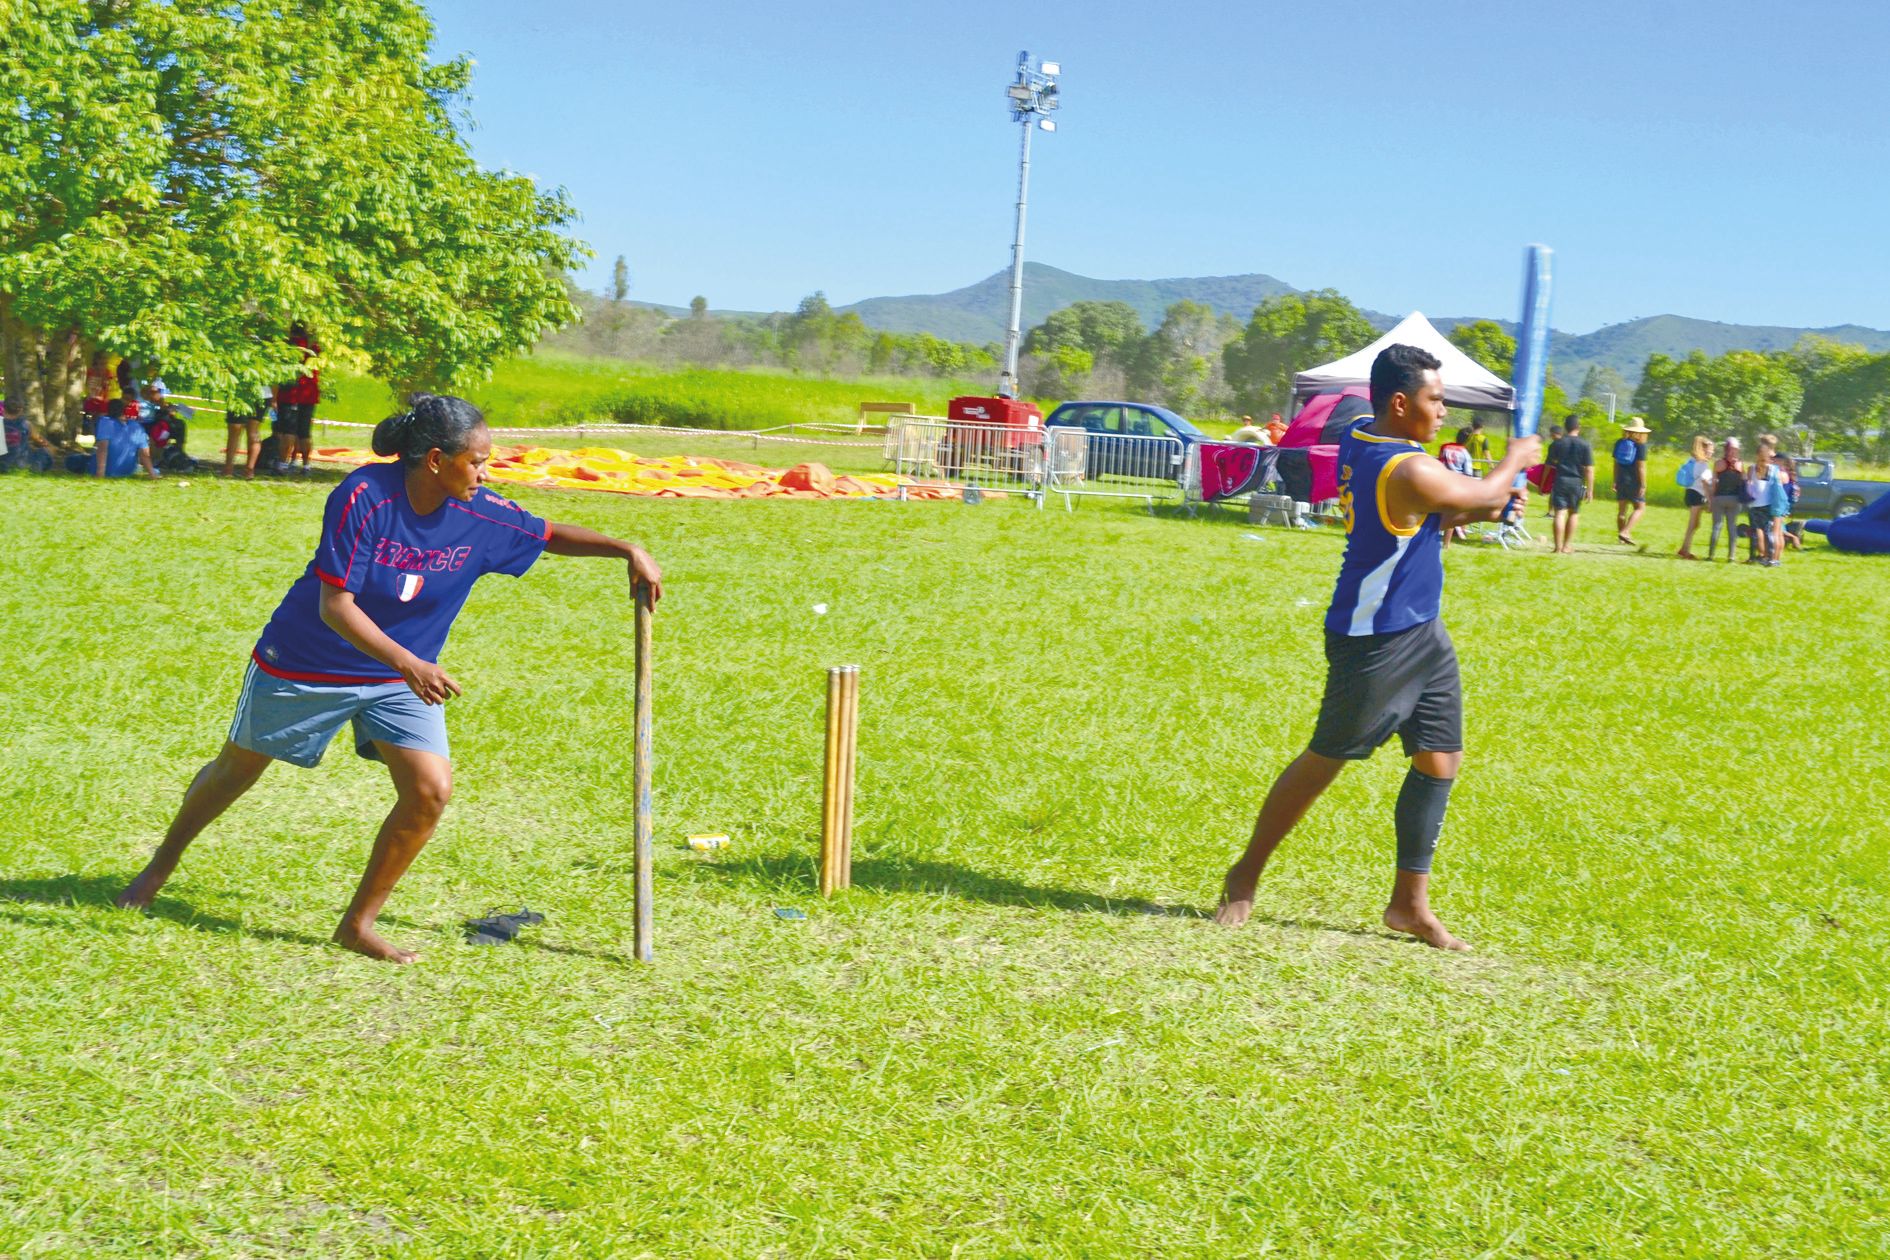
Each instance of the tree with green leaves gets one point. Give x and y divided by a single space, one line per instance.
187 178
1847 396
1104 330
1179 364
1602 381
1288 334
1741 392
619 279
1486 341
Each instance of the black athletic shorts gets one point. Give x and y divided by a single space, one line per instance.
1695 498
1380 685
1566 494
295 419
1631 488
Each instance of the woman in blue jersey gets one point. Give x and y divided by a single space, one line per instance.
357 641
1390 667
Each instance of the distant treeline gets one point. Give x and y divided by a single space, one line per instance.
1206 364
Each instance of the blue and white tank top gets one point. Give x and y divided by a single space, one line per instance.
1391 578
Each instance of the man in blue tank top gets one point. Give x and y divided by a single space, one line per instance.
1390 667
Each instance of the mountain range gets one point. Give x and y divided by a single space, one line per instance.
980 312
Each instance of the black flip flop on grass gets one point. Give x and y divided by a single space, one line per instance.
500 929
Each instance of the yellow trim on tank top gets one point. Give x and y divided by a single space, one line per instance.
1384 476
1363 436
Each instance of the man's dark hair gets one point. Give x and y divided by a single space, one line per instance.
1476 422
1400 369
1463 435
1574 425
115 408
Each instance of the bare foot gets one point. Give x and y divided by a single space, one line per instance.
141 892
1236 901
368 941
1425 927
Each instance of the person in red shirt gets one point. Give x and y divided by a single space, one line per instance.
295 404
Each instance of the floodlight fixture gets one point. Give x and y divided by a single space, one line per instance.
1032 96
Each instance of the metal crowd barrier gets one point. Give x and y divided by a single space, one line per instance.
1036 462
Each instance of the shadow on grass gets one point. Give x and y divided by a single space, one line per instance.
798 874
100 890
940 878
96 890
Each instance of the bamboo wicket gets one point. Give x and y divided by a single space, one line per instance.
640 777
836 822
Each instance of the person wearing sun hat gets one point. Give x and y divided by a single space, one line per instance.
1630 479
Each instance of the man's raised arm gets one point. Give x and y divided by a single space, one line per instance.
1423 485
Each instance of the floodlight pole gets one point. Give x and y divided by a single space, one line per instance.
1007 384
1032 95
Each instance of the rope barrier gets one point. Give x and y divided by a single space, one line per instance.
623 430
774 434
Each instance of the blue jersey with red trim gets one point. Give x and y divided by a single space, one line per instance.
410 573
1391 578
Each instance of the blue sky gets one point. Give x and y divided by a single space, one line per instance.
1727 161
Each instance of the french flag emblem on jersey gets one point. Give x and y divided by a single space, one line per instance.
410 584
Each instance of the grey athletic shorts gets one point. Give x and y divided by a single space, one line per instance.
1379 685
293 721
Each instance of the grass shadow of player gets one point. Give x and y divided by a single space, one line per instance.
798 874
527 940
100 890
944 879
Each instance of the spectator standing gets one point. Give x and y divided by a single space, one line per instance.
1455 454
1728 498
1630 480
1761 482
1276 429
1697 476
1479 443
295 405
1573 464
122 446
246 424
1784 499
25 448
1555 435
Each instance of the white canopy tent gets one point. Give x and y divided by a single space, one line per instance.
1467 383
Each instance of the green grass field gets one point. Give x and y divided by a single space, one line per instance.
552 388
1017 1035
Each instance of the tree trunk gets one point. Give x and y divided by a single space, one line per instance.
63 385
22 362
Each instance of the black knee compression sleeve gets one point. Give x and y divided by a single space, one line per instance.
1420 817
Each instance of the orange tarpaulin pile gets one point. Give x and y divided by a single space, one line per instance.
677 476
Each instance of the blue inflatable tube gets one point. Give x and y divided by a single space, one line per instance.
1867 533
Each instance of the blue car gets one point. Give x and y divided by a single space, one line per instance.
1120 442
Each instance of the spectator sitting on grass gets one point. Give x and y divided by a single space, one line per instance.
25 448
1250 433
122 447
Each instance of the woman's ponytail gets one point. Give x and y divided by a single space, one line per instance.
431 422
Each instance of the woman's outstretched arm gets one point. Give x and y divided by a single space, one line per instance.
575 540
